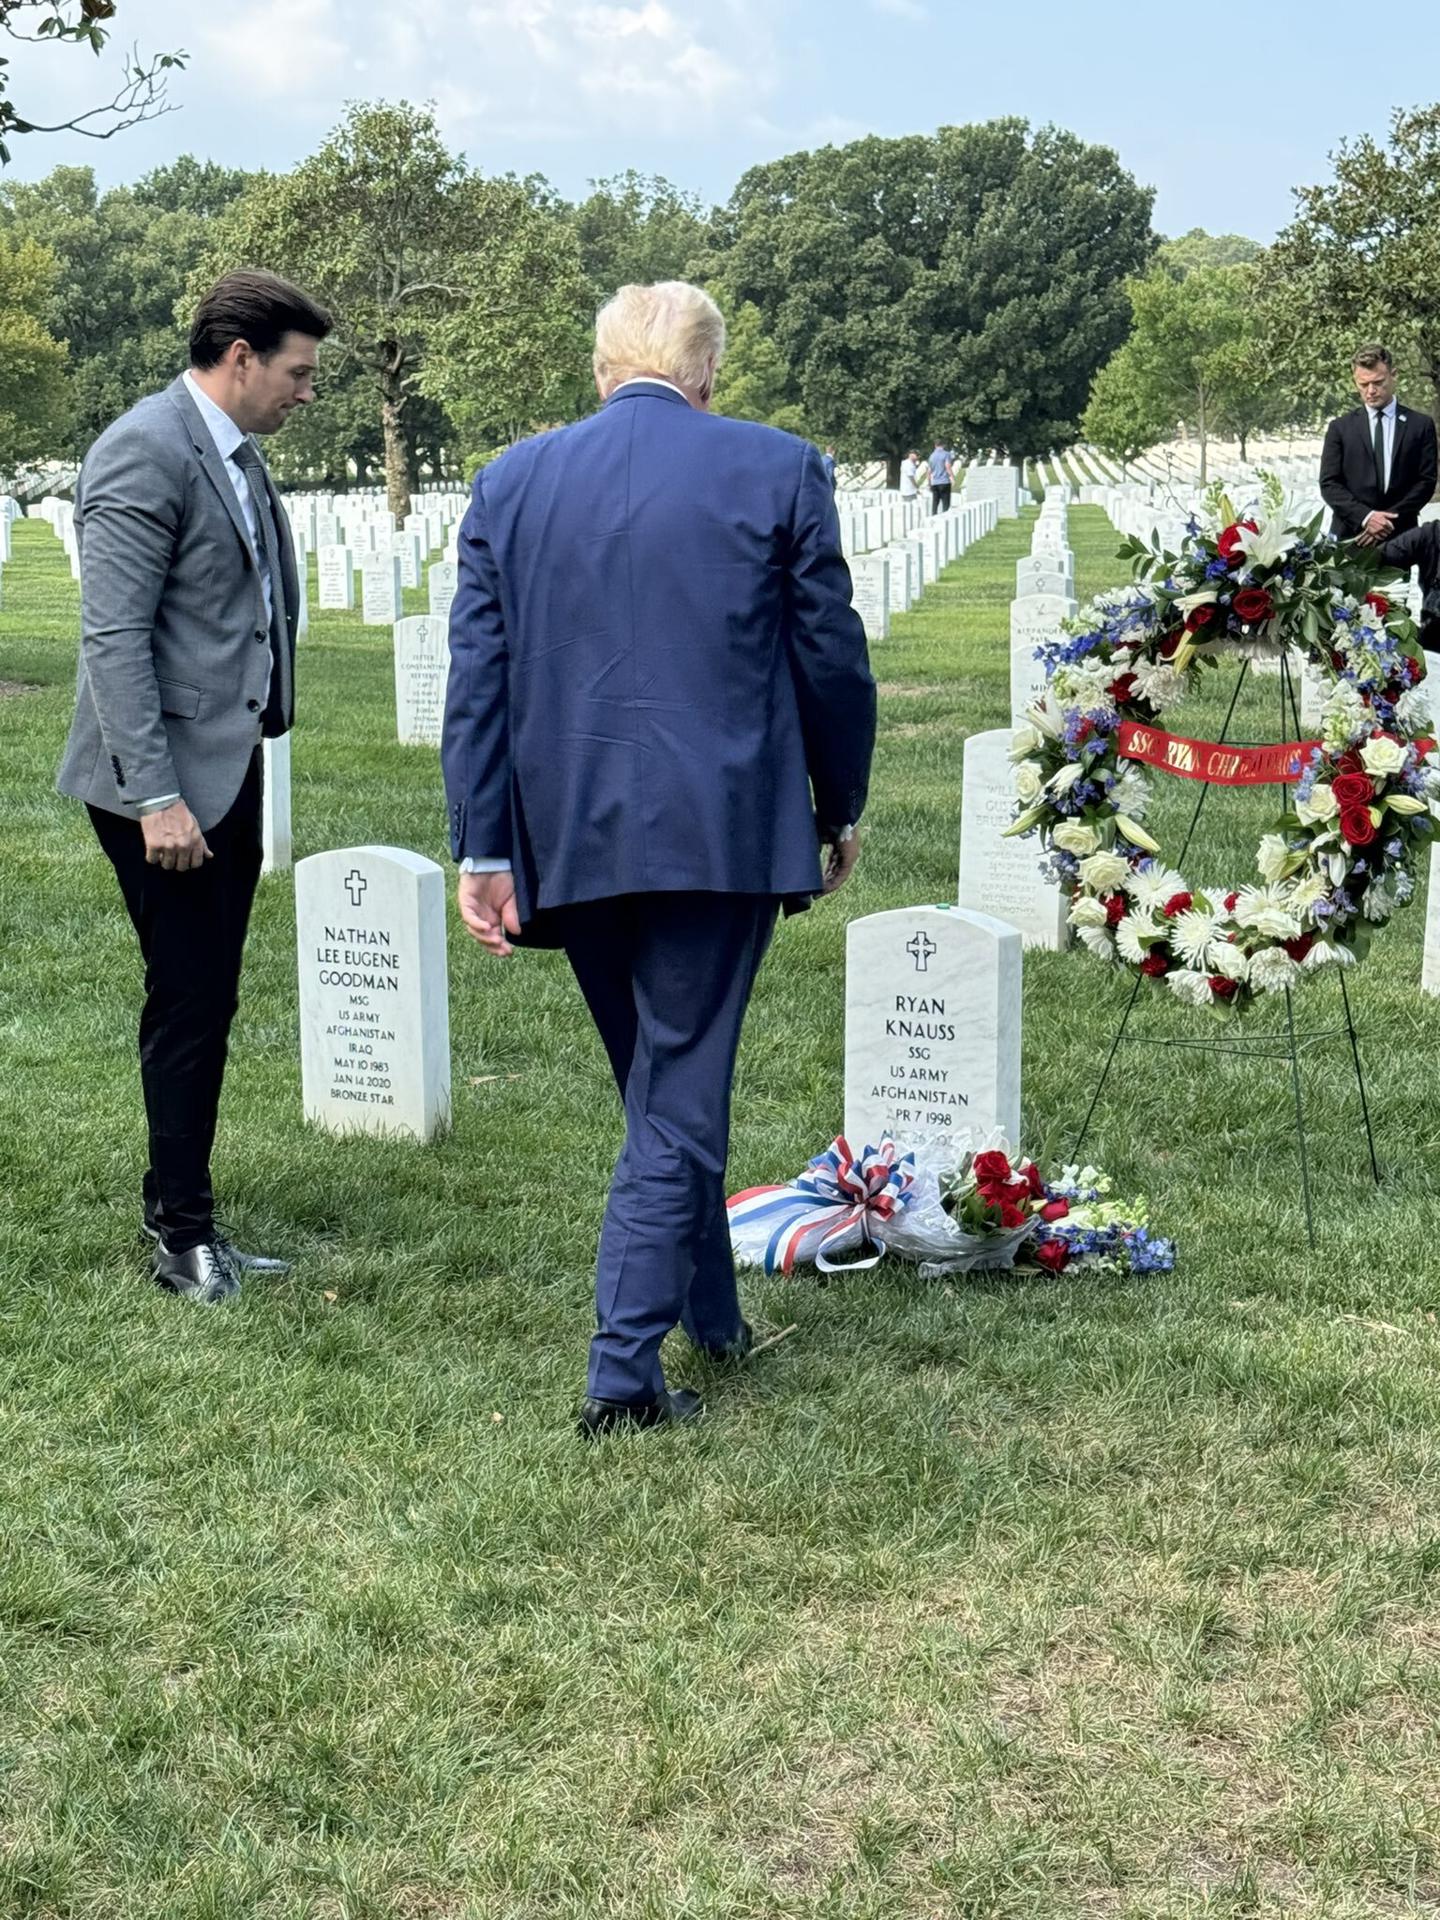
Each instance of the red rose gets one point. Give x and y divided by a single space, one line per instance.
991 1167
1378 602
1352 790
1013 1193
1350 762
1034 1181
1156 963
1222 988
1012 1216
1178 903
1337 661
1123 689
1232 900
1228 545
1357 827
1169 645
1052 1255
1054 1210
1199 617
1252 605
1115 909
1298 948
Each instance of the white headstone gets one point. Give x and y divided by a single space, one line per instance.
374 994
870 574
442 581
380 579
999 876
335 568
1033 619
422 668
902 569
410 548
1043 573
1430 966
275 812
932 1027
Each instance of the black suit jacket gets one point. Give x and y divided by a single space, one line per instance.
1349 485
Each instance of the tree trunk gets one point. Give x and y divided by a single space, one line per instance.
892 470
397 445
1244 437
1204 443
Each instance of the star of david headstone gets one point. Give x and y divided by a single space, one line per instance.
922 947
355 886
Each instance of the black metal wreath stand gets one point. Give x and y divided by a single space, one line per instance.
1283 1045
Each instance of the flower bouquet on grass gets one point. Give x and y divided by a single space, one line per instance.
980 1212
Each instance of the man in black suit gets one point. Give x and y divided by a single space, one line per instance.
1378 467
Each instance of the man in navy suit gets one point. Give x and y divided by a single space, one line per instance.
1377 469
660 712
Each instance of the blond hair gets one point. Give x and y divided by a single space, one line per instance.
670 328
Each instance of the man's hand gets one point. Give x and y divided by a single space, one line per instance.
487 906
173 839
841 861
1377 529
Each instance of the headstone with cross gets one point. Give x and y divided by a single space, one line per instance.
932 1030
422 672
374 996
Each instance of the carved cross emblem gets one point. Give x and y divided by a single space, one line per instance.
355 884
922 947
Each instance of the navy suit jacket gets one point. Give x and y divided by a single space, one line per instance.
1349 484
657 680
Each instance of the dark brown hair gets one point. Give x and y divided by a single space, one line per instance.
1372 356
258 308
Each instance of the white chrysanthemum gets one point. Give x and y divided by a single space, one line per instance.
1024 741
1308 891
1103 872
1412 709
1098 941
1085 689
1154 886
1065 777
1087 911
1128 936
1161 685
1228 960
1191 934
1029 781
1271 857
1382 757
1325 954
1272 970
1378 901
1321 805
1267 910
1131 794
1075 837
1193 988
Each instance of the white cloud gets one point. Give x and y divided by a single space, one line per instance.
281 47
902 9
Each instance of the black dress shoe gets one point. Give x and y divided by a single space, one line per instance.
605 1416
204 1274
736 1349
241 1261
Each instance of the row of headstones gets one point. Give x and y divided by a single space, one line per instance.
932 1012
895 578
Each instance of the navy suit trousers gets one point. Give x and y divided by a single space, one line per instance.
667 978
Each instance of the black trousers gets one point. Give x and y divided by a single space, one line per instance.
191 928
939 500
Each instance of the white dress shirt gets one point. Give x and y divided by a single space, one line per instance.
1388 415
503 866
227 438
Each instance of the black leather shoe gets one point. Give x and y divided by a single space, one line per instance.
736 1349
605 1416
241 1261
204 1275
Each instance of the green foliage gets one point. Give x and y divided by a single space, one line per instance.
1125 415
968 283
125 261
637 228
754 382
142 95
34 394
440 281
1361 261
1197 248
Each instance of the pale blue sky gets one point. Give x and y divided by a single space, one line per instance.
1223 111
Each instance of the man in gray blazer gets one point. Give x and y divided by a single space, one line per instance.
189 605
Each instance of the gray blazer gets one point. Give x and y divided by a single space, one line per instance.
174 648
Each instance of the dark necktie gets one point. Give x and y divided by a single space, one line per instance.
1380 452
247 458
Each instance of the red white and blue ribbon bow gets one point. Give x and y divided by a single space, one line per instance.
814 1214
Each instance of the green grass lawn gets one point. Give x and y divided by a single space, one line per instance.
1018 1599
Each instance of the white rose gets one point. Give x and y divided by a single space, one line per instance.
1193 988
1322 805
1087 911
1271 856
1066 778
1103 872
1076 837
1382 757
1025 741
1029 781
1272 970
1227 960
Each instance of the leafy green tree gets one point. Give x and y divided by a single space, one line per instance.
637 228
141 96
1125 416
33 388
415 256
754 382
1197 248
973 278
1361 261
124 261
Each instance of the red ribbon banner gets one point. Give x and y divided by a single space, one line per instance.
1207 760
